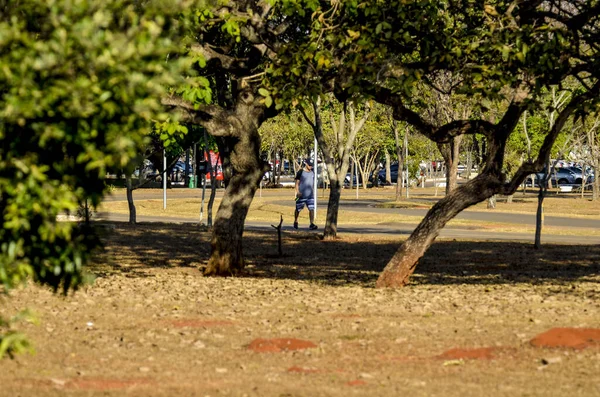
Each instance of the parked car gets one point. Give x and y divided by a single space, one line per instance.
347 180
589 172
393 174
561 176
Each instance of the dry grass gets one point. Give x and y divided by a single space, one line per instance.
151 325
268 208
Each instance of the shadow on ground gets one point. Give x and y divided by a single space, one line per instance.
136 249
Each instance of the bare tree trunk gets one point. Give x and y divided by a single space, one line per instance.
388 171
333 206
596 182
509 199
352 169
243 170
213 189
399 151
539 215
279 169
226 256
336 157
403 263
132 211
450 153
491 203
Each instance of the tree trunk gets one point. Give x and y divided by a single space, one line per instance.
243 170
596 183
211 199
450 153
403 263
226 257
333 206
491 203
539 216
132 211
399 153
388 170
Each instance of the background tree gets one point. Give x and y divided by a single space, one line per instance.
80 83
502 50
272 134
527 67
370 142
167 136
335 141
235 44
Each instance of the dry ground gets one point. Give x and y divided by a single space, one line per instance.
151 325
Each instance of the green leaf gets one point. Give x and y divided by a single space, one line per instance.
268 101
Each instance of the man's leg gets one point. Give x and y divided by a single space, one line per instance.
311 215
296 213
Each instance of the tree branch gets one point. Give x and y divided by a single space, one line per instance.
308 120
544 153
196 114
227 62
443 134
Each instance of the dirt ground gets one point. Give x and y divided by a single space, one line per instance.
311 323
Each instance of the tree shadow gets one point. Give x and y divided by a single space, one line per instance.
348 261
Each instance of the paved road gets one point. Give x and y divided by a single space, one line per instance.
370 206
391 228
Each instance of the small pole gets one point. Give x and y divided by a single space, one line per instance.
278 228
164 179
195 162
315 177
356 175
406 157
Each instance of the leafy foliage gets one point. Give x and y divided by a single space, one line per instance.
81 82
13 342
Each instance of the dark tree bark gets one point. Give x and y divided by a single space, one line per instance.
226 256
333 207
236 131
246 171
450 153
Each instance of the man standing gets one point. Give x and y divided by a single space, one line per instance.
305 182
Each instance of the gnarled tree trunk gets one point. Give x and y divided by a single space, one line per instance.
226 243
243 170
403 263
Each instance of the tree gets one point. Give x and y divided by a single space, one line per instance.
272 135
169 140
235 44
370 141
80 83
504 51
336 142
544 32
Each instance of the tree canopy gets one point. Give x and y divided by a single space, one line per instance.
81 83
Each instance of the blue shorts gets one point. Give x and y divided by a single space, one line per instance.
310 203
